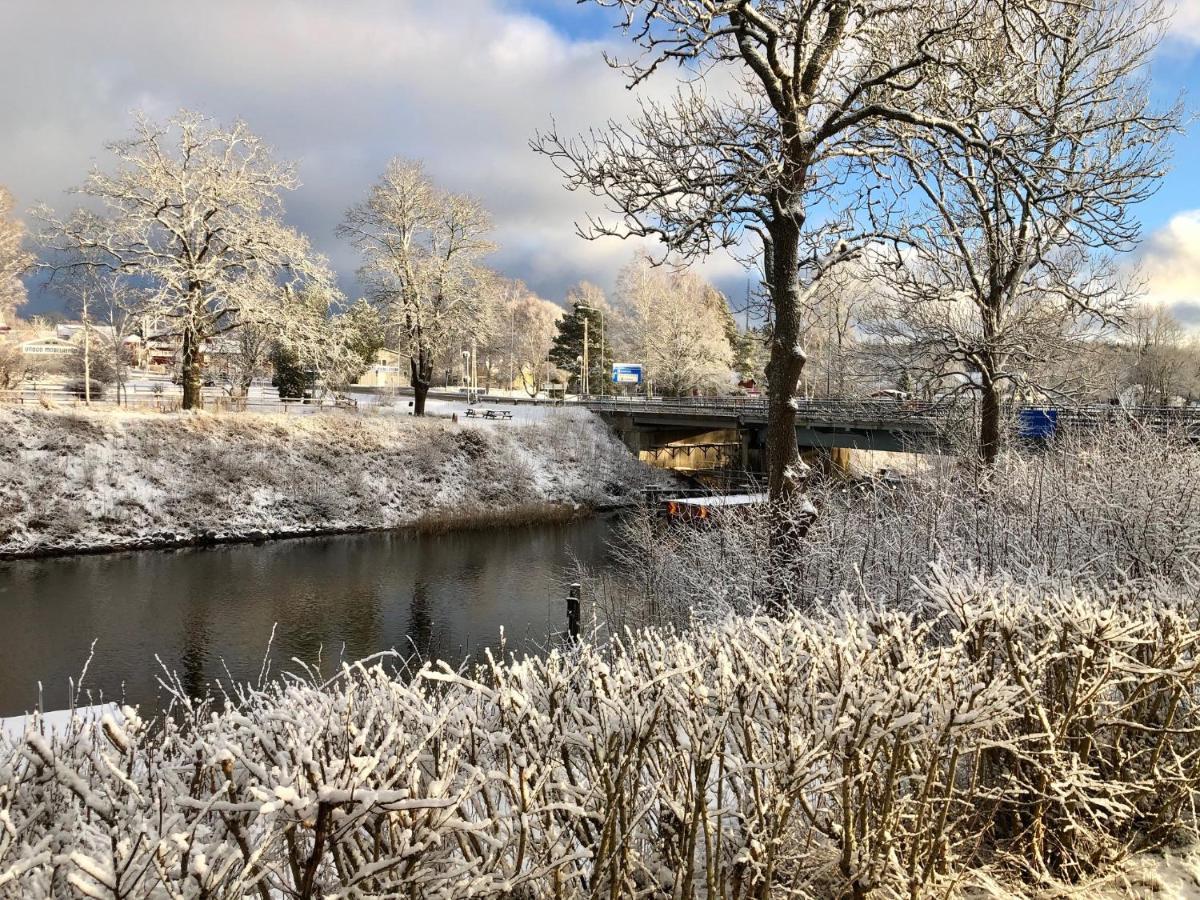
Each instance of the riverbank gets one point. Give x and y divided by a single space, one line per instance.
76 481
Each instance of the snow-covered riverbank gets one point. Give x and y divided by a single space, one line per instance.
77 481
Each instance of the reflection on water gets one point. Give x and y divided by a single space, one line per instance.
205 611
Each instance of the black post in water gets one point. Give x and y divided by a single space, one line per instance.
573 611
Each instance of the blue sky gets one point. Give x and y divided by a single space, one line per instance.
1176 71
462 84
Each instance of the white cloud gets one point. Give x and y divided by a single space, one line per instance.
1170 265
1186 23
337 88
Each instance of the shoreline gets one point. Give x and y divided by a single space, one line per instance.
438 523
85 483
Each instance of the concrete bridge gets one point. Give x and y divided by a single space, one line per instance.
702 434
705 434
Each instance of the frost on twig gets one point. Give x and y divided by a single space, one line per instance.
991 731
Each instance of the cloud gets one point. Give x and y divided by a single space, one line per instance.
1185 25
339 89
1170 265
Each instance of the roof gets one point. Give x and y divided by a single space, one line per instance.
720 500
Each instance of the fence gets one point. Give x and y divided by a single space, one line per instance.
168 401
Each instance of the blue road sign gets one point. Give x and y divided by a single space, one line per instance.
627 373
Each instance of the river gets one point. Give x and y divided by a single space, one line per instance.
207 611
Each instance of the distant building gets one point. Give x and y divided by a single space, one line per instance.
383 371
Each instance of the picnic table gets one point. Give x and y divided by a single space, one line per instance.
473 413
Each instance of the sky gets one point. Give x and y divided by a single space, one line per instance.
340 88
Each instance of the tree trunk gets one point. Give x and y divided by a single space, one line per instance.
989 423
421 374
786 471
784 467
191 371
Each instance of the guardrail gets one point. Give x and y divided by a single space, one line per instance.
823 409
898 411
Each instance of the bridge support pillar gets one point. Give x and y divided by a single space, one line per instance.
839 461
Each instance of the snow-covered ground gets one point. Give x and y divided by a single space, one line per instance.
79 480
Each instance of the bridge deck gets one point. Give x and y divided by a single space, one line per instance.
871 424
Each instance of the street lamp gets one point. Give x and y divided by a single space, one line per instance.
595 309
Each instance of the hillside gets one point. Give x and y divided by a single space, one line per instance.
78 481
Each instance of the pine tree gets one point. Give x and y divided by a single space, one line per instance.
568 348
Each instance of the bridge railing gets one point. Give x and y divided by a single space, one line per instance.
841 410
900 412
1103 415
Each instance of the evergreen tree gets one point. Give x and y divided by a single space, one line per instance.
292 377
568 348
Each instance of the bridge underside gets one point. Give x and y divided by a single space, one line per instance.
866 438
698 443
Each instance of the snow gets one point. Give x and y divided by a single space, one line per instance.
60 720
720 500
500 781
111 479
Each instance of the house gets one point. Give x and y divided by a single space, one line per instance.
383 371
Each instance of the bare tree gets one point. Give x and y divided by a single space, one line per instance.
769 150
1163 363
420 246
531 321
674 322
1004 261
194 210
14 259
833 313
15 367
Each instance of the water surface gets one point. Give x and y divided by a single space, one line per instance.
204 611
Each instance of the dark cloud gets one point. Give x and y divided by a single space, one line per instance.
339 89
1187 313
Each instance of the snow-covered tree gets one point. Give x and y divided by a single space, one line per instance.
775 108
193 210
677 325
1003 262
420 246
14 259
1163 363
531 321
833 313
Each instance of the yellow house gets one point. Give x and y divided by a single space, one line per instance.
383 371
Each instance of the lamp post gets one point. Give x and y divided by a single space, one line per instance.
595 309
580 360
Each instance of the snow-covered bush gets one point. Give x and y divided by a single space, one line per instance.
1120 504
992 733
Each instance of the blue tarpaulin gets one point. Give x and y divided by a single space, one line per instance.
1037 424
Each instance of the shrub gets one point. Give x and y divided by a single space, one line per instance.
1121 504
992 733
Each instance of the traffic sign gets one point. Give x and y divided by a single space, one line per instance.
627 373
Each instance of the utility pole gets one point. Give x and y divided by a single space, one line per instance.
87 347
584 373
603 358
473 383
